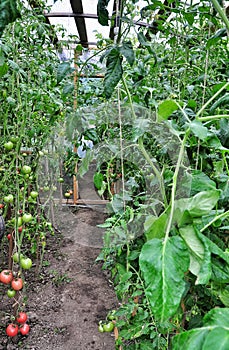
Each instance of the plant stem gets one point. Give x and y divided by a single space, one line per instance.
143 150
211 99
223 215
212 117
174 186
221 13
129 98
155 170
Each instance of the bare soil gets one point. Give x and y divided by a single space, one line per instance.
70 295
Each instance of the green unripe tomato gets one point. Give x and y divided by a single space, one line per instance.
8 145
26 263
19 221
16 257
108 327
111 315
26 169
11 293
9 198
14 139
27 218
100 328
34 194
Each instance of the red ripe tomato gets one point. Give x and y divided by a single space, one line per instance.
25 329
22 317
6 276
12 330
17 283
20 228
1 205
9 236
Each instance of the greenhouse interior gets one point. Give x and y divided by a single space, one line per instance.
114 174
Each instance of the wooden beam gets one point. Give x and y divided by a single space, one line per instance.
79 201
77 8
91 15
70 14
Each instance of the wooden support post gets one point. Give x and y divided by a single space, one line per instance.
75 184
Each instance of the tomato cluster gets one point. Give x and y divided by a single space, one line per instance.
19 326
109 324
6 277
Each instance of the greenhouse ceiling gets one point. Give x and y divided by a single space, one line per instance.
80 21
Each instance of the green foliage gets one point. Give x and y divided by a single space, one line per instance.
213 333
63 70
170 250
8 13
165 109
114 71
163 264
31 107
103 15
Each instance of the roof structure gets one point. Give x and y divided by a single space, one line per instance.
79 18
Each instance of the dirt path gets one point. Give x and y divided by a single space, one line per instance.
72 294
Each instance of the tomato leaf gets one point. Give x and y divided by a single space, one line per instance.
85 162
200 255
198 129
98 180
163 264
67 89
103 15
3 69
140 126
198 205
113 73
63 70
127 51
201 182
214 331
156 226
165 109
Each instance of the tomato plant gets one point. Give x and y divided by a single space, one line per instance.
162 160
